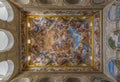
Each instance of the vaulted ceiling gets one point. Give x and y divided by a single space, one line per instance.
65 7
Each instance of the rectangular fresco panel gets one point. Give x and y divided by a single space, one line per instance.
62 43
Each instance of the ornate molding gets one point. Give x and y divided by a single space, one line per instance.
59 4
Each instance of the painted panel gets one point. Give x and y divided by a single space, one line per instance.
62 43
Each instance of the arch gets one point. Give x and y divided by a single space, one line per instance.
46 1
23 1
114 13
100 80
6 70
6 40
111 67
98 1
47 80
6 11
72 1
77 2
22 80
73 80
113 70
3 40
97 80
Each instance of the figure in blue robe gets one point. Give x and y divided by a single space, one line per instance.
74 34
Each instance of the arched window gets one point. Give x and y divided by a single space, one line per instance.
6 11
114 13
112 67
47 80
113 70
6 40
73 80
23 1
6 70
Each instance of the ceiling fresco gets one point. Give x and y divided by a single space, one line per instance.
62 42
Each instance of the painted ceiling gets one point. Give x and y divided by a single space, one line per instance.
62 41
61 35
